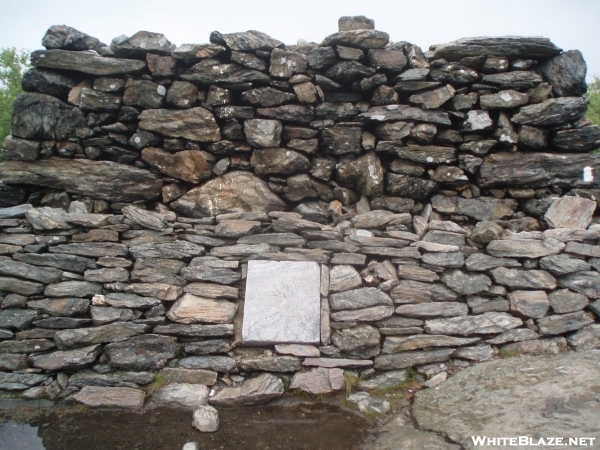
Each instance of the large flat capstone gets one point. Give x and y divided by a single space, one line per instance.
282 302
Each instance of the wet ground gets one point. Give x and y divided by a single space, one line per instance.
302 427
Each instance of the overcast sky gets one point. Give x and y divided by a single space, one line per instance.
570 24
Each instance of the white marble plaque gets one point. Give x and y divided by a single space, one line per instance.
282 303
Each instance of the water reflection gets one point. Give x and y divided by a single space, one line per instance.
19 436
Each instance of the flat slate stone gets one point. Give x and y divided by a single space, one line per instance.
529 248
104 180
196 124
254 391
282 303
512 47
120 397
85 62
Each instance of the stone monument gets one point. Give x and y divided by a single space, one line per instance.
282 303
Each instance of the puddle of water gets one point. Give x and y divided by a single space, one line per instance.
267 428
19 436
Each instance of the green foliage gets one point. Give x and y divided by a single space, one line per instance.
13 65
158 382
593 94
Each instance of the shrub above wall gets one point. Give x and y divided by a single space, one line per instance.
447 196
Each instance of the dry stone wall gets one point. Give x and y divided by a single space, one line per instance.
448 197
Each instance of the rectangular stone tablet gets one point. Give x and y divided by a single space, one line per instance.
282 303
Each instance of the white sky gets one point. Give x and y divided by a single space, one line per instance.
570 24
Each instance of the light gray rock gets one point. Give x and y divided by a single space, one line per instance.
524 279
486 323
533 304
191 376
359 298
222 364
146 219
253 391
586 338
562 265
205 419
271 364
436 409
395 344
73 289
538 347
409 291
451 260
484 208
120 397
561 323
479 262
525 248
114 332
516 335
465 283
361 341
566 301
67 359
319 381
182 395
584 282
404 360
570 212
433 309
343 278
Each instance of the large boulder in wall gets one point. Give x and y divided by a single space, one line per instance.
232 192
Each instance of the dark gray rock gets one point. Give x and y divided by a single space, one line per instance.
48 82
97 179
289 113
20 287
365 39
348 71
466 284
17 318
67 359
148 352
396 344
395 113
456 74
433 309
566 301
119 300
562 265
586 338
584 282
266 97
271 364
365 174
552 112
68 38
61 306
197 124
223 73
223 364
536 170
89 63
484 208
341 140
195 330
44 275
409 187
562 323
513 80
566 73
20 149
140 44
576 139
114 332
278 161
479 262
245 41
505 47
